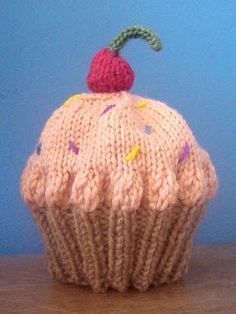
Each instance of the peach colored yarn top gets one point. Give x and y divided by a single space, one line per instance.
82 161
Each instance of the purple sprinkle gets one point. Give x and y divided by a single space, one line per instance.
74 147
148 129
108 107
38 148
185 152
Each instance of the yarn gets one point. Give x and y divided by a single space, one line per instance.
109 72
116 194
122 210
74 147
135 32
133 153
38 148
142 103
184 153
108 107
71 99
148 129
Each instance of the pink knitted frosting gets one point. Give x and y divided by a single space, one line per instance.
82 158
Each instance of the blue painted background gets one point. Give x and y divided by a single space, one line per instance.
45 51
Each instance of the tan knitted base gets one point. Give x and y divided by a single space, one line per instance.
107 248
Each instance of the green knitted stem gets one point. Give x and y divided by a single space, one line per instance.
135 32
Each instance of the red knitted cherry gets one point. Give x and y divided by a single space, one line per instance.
110 72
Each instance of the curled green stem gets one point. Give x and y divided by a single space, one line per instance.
135 32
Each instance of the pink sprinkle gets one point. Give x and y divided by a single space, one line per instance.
73 147
108 107
185 152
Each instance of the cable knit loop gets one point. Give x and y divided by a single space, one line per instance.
33 183
160 191
127 191
56 192
192 181
86 190
209 170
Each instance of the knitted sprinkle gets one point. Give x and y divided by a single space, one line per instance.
70 99
185 152
142 103
108 107
148 129
132 154
38 148
73 147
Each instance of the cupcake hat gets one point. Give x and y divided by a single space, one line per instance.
117 183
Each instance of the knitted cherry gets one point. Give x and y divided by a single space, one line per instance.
109 72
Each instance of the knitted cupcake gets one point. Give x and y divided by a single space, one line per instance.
118 183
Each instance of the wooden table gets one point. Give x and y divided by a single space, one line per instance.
209 287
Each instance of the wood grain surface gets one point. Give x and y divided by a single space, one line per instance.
209 287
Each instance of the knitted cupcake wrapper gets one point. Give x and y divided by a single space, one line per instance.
119 249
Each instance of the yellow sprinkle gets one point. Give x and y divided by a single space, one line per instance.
142 103
133 153
70 99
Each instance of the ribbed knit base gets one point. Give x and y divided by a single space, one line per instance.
108 248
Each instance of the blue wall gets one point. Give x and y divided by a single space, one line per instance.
45 50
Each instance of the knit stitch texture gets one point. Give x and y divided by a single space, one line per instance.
108 220
109 72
